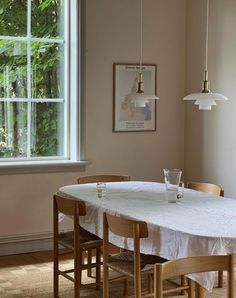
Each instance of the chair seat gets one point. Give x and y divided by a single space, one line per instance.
124 263
87 240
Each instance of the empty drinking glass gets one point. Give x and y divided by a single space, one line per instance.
174 187
101 189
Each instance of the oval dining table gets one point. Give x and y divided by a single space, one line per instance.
198 224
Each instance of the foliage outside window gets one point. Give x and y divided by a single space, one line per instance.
33 79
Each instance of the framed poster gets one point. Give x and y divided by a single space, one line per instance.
130 113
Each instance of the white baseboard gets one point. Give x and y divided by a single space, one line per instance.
11 245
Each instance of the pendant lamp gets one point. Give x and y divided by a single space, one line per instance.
140 98
206 99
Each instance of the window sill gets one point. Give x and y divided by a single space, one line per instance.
11 168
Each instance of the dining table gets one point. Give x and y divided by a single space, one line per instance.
197 224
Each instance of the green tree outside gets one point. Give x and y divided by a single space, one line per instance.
47 61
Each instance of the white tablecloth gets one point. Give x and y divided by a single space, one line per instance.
199 224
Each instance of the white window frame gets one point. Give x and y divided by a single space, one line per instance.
74 108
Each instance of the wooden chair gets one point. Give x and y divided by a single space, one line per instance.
214 190
78 241
95 179
103 178
193 265
129 264
206 187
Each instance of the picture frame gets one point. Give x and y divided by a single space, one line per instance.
128 114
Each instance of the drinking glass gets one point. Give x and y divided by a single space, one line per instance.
101 189
174 187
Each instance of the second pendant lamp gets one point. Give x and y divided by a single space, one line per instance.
205 99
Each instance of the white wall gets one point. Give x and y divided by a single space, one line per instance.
113 36
210 142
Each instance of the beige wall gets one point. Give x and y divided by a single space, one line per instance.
209 135
26 202
113 36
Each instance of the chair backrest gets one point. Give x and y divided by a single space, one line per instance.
103 178
206 187
126 227
193 265
69 206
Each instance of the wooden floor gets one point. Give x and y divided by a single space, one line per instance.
36 258
27 259
47 257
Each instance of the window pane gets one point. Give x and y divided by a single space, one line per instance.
32 76
13 69
47 70
47 18
13 129
13 14
47 129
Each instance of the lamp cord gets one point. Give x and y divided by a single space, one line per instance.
141 36
207 32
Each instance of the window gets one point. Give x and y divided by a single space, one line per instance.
35 86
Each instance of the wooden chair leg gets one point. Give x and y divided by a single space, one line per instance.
191 288
137 286
184 282
55 275
220 279
98 269
55 251
77 275
150 283
89 261
125 287
200 291
105 282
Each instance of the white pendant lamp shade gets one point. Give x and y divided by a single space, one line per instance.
141 100
205 99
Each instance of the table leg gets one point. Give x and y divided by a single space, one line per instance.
200 291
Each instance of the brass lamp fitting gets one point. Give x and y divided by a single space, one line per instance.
140 84
205 83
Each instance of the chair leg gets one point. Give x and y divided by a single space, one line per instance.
55 251
98 268
125 287
191 288
137 286
105 281
150 283
184 282
55 275
89 261
220 279
77 275
199 291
